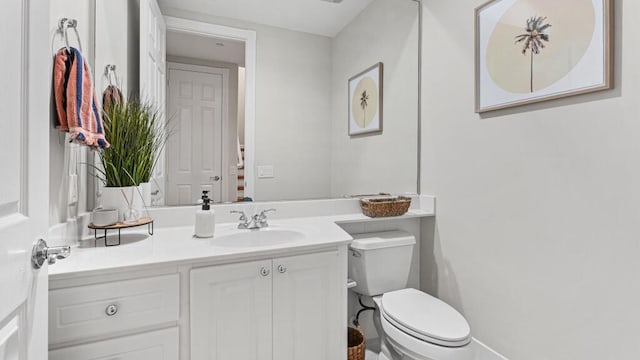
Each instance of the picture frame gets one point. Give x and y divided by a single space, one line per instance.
365 101
532 51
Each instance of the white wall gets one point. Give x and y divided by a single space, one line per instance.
292 92
387 32
536 238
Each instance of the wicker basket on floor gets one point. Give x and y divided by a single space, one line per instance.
356 344
387 206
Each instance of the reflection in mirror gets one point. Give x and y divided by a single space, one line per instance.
204 95
268 119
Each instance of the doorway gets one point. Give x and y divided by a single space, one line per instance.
199 105
206 96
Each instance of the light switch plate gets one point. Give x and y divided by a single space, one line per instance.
265 172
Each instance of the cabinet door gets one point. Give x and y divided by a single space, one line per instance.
306 307
231 312
156 345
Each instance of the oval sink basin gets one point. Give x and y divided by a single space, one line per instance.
257 238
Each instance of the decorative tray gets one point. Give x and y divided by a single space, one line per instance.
119 226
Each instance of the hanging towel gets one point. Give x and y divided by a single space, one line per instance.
75 99
112 95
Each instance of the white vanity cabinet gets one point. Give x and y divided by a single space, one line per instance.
264 307
286 308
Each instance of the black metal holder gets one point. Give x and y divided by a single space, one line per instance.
118 227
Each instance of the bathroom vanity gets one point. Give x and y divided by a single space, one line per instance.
172 296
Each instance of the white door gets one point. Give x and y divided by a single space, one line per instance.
307 305
198 104
231 312
153 32
24 185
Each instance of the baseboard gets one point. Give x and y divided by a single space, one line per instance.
483 352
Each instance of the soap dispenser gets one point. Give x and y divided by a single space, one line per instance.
205 218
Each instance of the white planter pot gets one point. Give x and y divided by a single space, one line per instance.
120 197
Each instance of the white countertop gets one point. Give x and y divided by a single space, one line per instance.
174 246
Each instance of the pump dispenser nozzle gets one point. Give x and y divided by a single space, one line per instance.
205 200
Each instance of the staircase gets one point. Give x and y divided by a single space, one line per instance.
240 182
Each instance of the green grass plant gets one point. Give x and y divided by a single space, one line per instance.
137 134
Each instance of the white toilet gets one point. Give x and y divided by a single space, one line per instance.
412 325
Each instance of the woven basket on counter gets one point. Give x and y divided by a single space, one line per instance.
355 345
387 206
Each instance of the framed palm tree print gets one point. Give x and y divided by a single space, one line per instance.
535 50
365 101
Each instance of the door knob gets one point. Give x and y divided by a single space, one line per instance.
41 253
215 178
282 269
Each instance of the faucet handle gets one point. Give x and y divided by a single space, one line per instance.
244 220
260 220
263 213
243 215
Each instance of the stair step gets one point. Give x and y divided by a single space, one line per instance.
240 187
240 176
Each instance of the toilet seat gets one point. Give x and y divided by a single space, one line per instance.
425 317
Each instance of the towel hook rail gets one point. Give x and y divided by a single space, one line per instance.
63 26
111 70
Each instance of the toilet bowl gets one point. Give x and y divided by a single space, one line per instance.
417 326
411 324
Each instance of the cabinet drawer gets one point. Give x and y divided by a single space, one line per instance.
156 345
95 310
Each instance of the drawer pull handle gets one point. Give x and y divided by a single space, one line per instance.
282 269
264 271
111 310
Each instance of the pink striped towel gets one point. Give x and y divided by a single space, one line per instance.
75 99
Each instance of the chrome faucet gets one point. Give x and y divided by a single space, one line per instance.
257 221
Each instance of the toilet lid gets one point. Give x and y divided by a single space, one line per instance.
425 317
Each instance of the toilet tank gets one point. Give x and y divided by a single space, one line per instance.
380 262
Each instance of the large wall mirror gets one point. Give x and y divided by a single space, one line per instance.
266 116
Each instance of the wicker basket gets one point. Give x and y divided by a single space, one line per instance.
356 344
388 206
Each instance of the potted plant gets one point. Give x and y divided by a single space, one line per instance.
137 134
